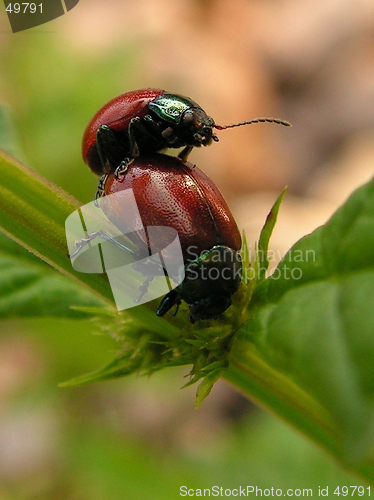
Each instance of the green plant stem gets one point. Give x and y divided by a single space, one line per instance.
33 213
272 390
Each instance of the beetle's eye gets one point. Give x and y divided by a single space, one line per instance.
188 120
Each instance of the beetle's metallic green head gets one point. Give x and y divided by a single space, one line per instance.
189 124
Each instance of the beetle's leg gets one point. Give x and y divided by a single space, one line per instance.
105 236
170 299
122 167
145 131
144 288
183 155
109 148
100 189
152 126
135 127
176 308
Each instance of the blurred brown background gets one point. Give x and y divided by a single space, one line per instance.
310 62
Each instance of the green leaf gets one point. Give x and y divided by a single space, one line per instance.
344 244
33 213
206 386
29 287
119 367
266 232
331 355
312 323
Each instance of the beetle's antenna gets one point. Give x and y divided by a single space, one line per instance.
277 121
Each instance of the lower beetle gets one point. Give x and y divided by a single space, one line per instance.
171 192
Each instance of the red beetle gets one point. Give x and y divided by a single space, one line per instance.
146 121
171 192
